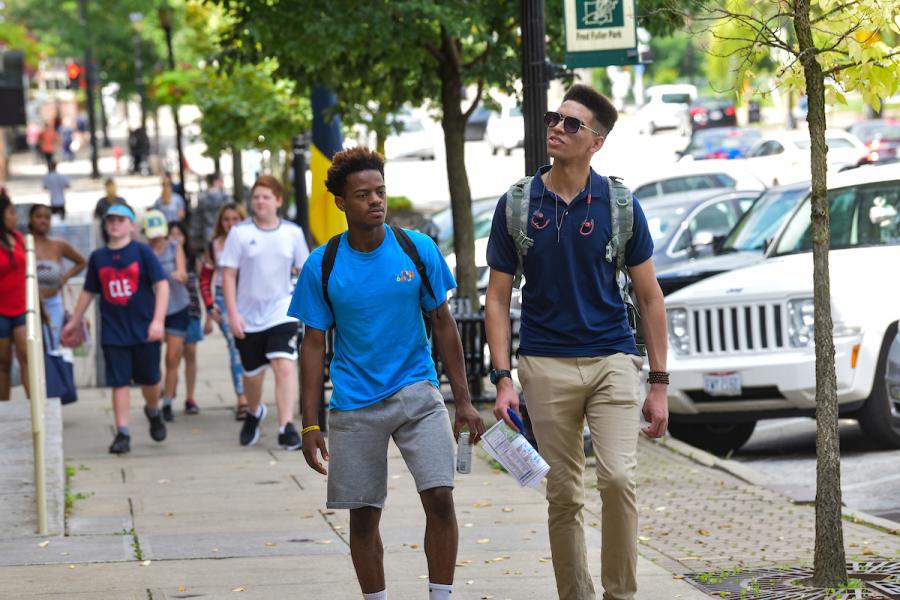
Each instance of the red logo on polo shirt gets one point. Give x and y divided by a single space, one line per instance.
119 285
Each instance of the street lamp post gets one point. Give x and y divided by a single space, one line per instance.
137 23
89 80
165 19
535 81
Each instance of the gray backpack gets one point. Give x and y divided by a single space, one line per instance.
621 208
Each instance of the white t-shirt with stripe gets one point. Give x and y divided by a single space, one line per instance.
264 259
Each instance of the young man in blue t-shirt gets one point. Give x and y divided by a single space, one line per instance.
578 360
134 296
385 384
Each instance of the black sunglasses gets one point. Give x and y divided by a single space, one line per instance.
570 124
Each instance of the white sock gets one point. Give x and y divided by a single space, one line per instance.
281 429
258 412
168 401
439 591
382 595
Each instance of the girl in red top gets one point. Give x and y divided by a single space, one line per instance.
12 296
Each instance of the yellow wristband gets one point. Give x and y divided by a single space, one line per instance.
310 428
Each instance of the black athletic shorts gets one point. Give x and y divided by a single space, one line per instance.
257 349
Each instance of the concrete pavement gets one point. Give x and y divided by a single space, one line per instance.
200 516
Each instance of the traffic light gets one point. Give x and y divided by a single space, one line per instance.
73 70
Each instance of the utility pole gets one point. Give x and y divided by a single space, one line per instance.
165 18
535 81
137 22
89 81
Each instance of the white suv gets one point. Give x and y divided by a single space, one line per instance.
741 343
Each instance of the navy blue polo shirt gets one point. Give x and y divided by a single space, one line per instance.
571 304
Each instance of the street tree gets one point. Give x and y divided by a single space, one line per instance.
826 48
394 53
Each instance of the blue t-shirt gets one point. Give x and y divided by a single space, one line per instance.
571 304
124 279
378 297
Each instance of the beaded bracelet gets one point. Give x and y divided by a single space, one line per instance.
658 377
306 430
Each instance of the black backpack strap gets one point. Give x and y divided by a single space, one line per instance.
328 266
410 248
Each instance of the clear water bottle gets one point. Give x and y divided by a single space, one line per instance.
464 453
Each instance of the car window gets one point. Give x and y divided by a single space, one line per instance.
864 215
762 221
691 182
676 98
718 218
662 222
646 191
515 111
768 148
831 142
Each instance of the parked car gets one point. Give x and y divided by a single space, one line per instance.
744 245
686 225
442 222
785 157
506 130
688 176
720 142
666 107
476 126
414 140
741 343
881 136
711 112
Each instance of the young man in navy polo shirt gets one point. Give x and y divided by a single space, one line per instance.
134 295
578 357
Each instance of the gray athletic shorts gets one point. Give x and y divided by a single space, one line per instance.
416 418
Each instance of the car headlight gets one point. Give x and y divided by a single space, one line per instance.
801 322
679 334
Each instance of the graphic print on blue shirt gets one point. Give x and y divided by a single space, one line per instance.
124 280
570 300
378 298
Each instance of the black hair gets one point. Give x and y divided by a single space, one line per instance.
186 245
211 178
5 203
348 162
605 114
36 207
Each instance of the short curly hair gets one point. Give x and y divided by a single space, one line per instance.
605 114
347 162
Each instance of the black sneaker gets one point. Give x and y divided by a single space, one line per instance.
290 439
121 445
167 413
250 428
157 427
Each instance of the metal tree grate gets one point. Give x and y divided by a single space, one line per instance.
881 581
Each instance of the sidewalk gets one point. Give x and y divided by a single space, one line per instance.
200 516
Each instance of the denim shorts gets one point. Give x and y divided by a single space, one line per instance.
194 332
7 324
416 418
177 323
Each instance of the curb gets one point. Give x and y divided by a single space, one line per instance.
754 477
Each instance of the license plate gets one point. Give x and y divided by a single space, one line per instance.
715 115
722 384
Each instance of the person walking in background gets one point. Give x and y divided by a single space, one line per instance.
47 142
133 299
203 220
49 253
170 203
12 297
214 298
174 264
109 198
56 184
259 257
178 234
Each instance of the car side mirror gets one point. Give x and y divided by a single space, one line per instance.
766 243
718 242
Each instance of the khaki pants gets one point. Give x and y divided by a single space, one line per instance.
561 393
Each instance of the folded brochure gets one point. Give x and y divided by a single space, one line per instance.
518 457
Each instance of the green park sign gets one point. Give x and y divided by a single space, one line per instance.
600 33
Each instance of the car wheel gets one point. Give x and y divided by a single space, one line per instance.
880 415
717 438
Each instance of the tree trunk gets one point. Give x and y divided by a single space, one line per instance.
380 139
453 123
830 570
238 174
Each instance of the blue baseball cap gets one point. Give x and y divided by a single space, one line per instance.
120 210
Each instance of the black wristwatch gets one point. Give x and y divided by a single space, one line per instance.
498 375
